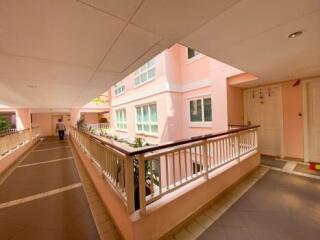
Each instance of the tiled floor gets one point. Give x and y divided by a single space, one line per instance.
268 204
47 200
279 206
196 226
289 166
271 162
305 169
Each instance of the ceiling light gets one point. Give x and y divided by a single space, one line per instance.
31 86
295 34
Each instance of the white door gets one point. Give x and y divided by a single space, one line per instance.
263 107
313 118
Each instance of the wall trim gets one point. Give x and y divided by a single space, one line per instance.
162 88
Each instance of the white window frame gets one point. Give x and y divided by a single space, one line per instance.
149 123
203 123
140 71
120 85
124 122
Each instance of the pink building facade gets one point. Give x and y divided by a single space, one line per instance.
178 94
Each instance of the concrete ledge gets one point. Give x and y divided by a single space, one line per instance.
172 209
11 158
108 196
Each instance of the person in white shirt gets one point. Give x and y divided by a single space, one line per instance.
60 128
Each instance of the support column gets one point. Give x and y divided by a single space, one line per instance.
74 116
23 118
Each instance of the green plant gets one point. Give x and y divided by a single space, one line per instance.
4 124
80 123
138 142
100 100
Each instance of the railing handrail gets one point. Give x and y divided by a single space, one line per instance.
15 132
127 150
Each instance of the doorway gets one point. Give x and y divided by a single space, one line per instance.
55 118
263 106
312 120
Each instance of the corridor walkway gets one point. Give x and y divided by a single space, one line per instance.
43 197
268 204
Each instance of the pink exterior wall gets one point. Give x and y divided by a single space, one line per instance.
91 118
45 122
162 111
293 135
235 106
178 79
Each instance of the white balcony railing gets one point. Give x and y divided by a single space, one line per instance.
159 170
97 125
12 141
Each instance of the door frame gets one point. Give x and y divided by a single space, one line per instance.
306 153
281 111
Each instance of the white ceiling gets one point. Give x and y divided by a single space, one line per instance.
253 36
62 53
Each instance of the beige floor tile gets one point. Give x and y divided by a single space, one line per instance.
195 228
204 220
98 211
213 214
110 235
105 226
184 235
102 218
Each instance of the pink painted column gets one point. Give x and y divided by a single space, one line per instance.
23 118
219 99
74 116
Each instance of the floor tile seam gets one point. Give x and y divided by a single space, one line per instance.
40 195
51 147
48 149
294 173
84 178
13 168
44 142
253 181
44 162
289 166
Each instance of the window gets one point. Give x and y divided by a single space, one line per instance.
147 119
192 53
121 118
145 73
119 88
200 110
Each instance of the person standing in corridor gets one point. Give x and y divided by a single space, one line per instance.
60 128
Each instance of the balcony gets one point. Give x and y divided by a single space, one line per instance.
148 181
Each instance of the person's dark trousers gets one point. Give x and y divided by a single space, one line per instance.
61 135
